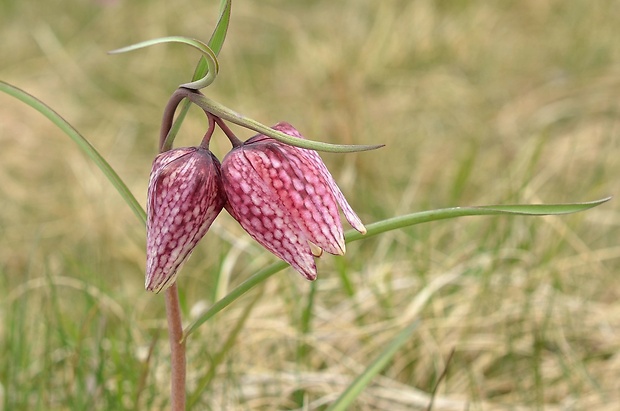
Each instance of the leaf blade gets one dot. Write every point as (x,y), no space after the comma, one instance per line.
(345,400)
(84,145)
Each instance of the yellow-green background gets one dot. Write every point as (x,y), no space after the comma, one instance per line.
(477,102)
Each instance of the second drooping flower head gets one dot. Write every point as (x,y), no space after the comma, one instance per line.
(286,199)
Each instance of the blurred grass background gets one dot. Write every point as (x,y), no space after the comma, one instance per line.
(477,102)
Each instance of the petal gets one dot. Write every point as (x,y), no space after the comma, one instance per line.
(301,191)
(313,160)
(184,197)
(260,212)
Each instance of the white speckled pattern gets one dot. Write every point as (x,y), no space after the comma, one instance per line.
(286,199)
(184,197)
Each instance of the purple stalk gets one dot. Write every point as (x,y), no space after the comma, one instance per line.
(177,349)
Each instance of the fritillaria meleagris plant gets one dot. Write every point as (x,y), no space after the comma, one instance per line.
(283,196)
(274,185)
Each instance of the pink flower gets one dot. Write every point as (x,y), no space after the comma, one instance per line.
(286,199)
(184,196)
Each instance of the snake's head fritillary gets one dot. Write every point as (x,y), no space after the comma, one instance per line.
(185,195)
(286,199)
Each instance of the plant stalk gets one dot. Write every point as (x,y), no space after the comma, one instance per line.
(177,349)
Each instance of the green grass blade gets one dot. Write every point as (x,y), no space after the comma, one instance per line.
(225,348)
(237,292)
(542,209)
(393,224)
(445,213)
(346,399)
(217,38)
(219,33)
(215,44)
(213,66)
(82,143)
(307,315)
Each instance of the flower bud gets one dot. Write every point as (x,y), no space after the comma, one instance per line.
(286,199)
(184,196)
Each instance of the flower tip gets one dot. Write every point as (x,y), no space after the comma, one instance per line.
(156,288)
(152,288)
(287,128)
(184,197)
(304,266)
(309,276)
(157,282)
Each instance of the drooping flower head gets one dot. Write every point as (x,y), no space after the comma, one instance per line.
(286,199)
(185,195)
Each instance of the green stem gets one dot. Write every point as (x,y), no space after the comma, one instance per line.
(225,113)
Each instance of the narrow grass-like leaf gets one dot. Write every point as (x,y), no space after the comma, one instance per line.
(393,224)
(226,346)
(237,292)
(346,399)
(445,213)
(221,28)
(82,143)
(211,59)
(305,324)
(225,113)
(215,44)
(217,38)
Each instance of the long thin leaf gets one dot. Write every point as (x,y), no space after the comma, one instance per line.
(225,113)
(361,381)
(215,43)
(219,33)
(445,213)
(82,143)
(241,289)
(225,348)
(208,54)
(393,224)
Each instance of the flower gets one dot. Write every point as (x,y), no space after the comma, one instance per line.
(286,199)
(185,195)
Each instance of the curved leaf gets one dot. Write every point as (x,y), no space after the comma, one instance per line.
(208,54)
(215,43)
(444,213)
(225,113)
(361,381)
(82,143)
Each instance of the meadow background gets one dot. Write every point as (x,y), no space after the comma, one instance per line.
(477,103)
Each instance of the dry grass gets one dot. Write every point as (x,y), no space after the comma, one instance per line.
(477,102)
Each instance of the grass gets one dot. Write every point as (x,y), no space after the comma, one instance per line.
(477,103)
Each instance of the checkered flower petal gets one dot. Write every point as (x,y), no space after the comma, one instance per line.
(286,199)
(185,195)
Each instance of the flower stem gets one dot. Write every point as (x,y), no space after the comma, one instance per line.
(231,136)
(207,138)
(165,143)
(177,350)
